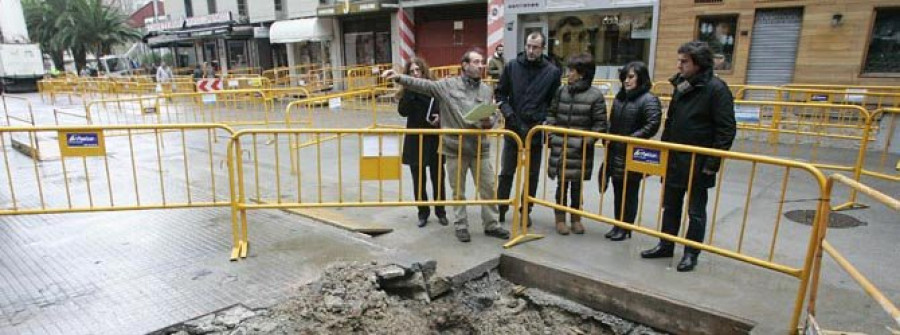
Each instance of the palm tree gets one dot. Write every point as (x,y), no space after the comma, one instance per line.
(80,26)
(95,27)
(41,22)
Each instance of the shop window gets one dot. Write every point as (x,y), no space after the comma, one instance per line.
(237,54)
(242,8)
(883,54)
(718,32)
(188,8)
(211,5)
(612,38)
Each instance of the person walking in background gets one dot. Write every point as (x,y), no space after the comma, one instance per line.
(422,112)
(701,114)
(458,95)
(496,63)
(580,106)
(198,72)
(164,78)
(525,90)
(636,112)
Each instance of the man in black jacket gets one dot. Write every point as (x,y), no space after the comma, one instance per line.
(701,114)
(526,87)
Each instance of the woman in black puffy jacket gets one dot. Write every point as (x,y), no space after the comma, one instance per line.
(579,106)
(421,112)
(636,112)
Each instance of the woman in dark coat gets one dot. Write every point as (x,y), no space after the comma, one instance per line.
(421,112)
(636,113)
(580,106)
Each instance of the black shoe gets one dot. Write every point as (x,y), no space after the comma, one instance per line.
(443,220)
(620,235)
(611,232)
(422,222)
(661,250)
(463,235)
(688,262)
(498,232)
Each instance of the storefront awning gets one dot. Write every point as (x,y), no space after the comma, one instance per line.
(311,29)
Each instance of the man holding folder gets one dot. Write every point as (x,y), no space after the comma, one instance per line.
(465,103)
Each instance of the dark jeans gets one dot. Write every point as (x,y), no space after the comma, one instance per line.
(509,160)
(572,188)
(631,198)
(432,171)
(673,202)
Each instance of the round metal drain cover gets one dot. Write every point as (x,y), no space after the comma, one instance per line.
(835,220)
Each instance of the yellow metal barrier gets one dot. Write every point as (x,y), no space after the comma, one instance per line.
(847,88)
(233,107)
(439,72)
(87,171)
(729,235)
(866,99)
(663,88)
(322,175)
(825,247)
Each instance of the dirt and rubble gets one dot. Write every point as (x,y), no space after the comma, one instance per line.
(372,298)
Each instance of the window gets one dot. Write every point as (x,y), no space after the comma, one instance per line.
(211,5)
(719,31)
(278,6)
(188,8)
(883,55)
(612,38)
(242,7)
(707,1)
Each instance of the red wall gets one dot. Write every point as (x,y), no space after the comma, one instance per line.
(136,20)
(435,34)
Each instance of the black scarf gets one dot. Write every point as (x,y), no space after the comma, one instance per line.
(579,86)
(624,95)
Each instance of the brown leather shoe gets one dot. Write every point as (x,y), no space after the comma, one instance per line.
(577,228)
(561,226)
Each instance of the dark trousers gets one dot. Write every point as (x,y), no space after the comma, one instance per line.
(630,197)
(572,188)
(432,171)
(673,202)
(509,160)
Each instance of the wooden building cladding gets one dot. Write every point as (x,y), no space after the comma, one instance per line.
(826,53)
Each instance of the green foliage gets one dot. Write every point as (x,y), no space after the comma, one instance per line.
(80,26)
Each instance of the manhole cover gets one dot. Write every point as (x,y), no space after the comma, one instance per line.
(835,220)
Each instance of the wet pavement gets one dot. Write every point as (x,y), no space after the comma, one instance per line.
(139,271)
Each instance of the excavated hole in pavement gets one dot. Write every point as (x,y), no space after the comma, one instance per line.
(835,220)
(358,298)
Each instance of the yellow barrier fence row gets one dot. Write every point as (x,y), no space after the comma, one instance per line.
(322,176)
(151,167)
(728,235)
(825,247)
(867,99)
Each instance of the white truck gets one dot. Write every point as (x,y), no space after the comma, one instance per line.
(21,62)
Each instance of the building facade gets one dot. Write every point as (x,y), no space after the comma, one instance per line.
(851,42)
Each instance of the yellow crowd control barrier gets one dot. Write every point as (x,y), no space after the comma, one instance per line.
(663,88)
(367,77)
(233,107)
(85,170)
(846,88)
(866,99)
(326,111)
(439,72)
(361,168)
(813,320)
(887,166)
(13,103)
(743,228)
